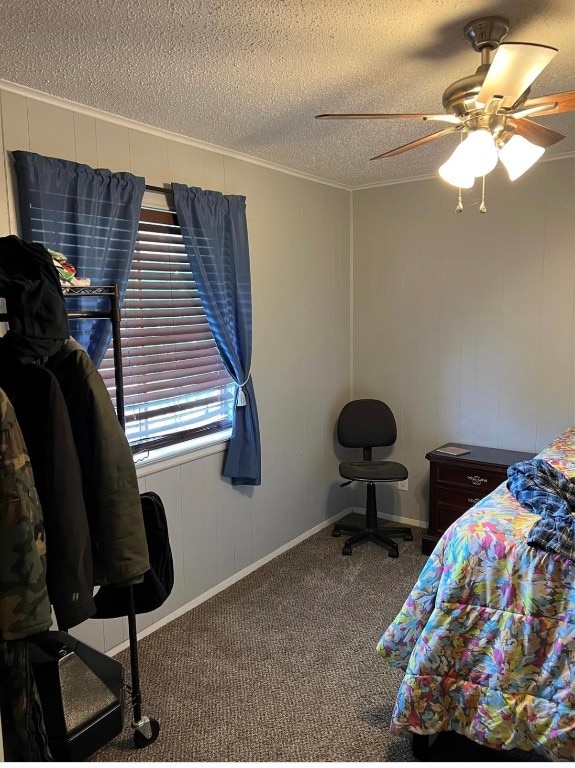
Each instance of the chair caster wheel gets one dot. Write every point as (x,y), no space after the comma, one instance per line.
(346,550)
(394,552)
(408,537)
(336,534)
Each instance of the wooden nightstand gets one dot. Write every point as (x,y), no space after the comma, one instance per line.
(456,483)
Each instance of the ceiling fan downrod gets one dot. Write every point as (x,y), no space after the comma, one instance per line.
(485,35)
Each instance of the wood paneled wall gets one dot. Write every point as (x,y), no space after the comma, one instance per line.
(299,233)
(465,323)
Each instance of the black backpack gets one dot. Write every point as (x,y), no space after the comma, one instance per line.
(112,601)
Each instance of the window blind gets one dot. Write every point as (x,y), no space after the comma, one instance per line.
(175,384)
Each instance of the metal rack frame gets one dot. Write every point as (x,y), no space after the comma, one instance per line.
(146,729)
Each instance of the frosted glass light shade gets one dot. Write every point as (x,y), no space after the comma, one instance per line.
(518,155)
(453,172)
(478,153)
(476,156)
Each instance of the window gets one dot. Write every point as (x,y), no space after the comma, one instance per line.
(175,385)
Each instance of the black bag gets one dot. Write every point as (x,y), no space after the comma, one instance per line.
(112,601)
(81,692)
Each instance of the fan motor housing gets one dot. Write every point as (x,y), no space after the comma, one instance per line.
(459,97)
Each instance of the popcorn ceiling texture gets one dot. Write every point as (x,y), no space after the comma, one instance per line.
(250,75)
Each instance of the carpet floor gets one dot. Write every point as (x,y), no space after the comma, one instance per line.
(281,666)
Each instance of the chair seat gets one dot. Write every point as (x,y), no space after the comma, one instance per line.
(373,471)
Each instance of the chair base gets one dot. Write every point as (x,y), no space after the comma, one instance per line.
(370,531)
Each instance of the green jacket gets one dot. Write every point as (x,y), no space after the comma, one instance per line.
(110,485)
(24,604)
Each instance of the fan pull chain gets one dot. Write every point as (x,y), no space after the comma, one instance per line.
(459,207)
(482,208)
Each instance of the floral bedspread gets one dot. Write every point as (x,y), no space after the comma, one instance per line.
(487,635)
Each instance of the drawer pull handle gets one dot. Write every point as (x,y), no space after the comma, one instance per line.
(473,501)
(476,480)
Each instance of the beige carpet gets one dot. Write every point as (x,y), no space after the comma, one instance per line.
(282,667)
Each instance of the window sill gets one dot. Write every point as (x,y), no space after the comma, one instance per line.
(174,455)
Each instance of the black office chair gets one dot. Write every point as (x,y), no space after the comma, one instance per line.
(369,424)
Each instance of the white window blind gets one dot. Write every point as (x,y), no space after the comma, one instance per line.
(175,385)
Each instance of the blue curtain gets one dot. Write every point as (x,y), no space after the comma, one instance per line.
(91,216)
(215,234)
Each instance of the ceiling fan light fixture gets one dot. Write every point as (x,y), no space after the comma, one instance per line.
(478,153)
(453,172)
(518,155)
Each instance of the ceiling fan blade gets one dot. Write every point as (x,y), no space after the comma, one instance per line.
(535,133)
(557,102)
(417,143)
(534,111)
(514,67)
(378,116)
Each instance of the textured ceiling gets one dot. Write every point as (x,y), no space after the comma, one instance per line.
(250,75)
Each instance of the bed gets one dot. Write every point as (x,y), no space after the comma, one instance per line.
(487,635)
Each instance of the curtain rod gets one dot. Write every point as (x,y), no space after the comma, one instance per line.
(163,190)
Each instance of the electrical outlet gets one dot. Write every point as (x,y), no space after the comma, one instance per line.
(402,485)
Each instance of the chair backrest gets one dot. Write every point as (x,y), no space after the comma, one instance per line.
(366,424)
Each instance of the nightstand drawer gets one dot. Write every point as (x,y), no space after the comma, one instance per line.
(449,505)
(469,478)
(463,500)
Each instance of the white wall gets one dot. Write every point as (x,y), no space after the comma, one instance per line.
(465,323)
(299,233)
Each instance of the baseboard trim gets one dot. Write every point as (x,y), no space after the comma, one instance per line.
(229,581)
(250,569)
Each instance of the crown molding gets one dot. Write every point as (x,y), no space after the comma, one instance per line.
(564,156)
(58,101)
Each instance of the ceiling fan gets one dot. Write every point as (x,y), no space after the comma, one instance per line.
(491,109)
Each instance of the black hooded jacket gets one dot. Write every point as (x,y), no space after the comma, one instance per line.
(34,300)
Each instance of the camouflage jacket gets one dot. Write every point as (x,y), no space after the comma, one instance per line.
(24,604)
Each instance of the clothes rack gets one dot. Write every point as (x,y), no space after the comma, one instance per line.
(146,729)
